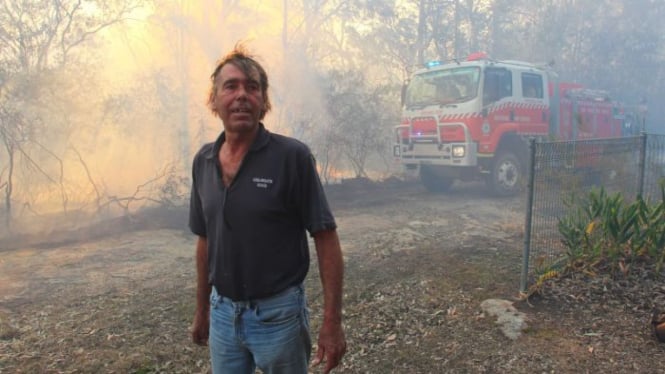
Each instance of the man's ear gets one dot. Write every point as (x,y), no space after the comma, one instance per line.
(264,111)
(214,107)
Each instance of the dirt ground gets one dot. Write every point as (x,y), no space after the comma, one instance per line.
(418,266)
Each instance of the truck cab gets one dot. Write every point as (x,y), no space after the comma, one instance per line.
(469,119)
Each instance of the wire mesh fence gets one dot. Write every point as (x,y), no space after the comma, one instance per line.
(561,171)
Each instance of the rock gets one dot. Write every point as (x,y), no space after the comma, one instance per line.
(511,321)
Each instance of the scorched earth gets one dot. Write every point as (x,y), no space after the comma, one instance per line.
(418,267)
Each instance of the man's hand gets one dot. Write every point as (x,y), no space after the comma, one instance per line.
(201,328)
(331,346)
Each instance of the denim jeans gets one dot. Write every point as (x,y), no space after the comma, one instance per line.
(271,334)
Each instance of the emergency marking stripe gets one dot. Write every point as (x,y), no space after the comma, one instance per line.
(474,115)
(422,119)
(494,109)
(516,105)
(459,116)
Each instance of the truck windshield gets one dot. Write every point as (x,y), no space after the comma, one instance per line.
(440,87)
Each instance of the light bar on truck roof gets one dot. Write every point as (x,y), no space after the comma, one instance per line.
(431,64)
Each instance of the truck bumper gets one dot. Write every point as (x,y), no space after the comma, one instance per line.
(430,150)
(449,154)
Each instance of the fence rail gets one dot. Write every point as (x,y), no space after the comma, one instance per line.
(559,171)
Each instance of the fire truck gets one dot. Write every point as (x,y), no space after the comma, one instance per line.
(471,119)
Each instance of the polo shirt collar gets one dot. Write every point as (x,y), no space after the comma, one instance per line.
(262,138)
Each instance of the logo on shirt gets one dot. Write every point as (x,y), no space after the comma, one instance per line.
(262,182)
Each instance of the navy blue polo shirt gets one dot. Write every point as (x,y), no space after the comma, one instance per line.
(256,228)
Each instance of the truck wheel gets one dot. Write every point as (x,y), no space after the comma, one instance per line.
(433,181)
(507,175)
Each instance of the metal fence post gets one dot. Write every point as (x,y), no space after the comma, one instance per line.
(527,218)
(642,164)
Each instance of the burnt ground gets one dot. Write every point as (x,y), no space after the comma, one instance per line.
(119,298)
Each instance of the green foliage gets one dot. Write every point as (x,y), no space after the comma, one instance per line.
(603,229)
(362,120)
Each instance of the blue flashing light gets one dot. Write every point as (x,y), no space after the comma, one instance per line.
(431,64)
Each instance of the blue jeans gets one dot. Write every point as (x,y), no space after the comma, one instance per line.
(271,334)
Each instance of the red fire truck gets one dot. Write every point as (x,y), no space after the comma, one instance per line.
(469,119)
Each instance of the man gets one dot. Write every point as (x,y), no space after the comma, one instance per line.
(255,195)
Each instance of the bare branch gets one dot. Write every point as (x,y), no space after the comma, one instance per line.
(87,173)
(63,193)
(34,163)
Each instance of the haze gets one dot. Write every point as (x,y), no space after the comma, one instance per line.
(102,117)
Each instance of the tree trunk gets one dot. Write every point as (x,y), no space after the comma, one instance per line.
(421,44)
(9,186)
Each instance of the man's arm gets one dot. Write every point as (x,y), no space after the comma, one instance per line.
(331,343)
(201,324)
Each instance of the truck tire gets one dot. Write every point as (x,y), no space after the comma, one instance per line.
(433,181)
(507,175)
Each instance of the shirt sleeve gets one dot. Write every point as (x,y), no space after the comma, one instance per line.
(196,218)
(314,209)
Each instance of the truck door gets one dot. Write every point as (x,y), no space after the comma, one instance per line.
(497,84)
(532,86)
(535,115)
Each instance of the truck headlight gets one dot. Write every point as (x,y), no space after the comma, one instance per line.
(458,151)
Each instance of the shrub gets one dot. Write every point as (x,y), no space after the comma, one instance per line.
(603,229)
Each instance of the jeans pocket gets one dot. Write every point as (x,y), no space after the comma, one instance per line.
(282,312)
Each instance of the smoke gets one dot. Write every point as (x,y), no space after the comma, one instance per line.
(118,129)
(130,118)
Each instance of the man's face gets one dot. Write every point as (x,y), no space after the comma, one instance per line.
(239,99)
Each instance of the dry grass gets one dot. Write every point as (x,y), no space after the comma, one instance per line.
(123,304)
